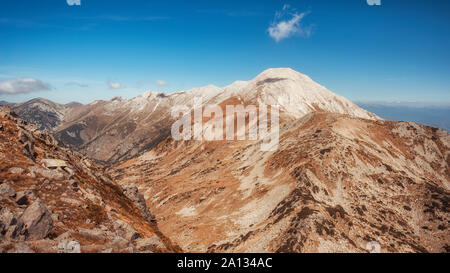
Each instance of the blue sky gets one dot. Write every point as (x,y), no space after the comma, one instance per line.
(398,51)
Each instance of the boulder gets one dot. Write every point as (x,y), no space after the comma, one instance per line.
(54,163)
(69,247)
(21,198)
(128,250)
(6,190)
(66,236)
(16,170)
(149,244)
(96,248)
(20,248)
(131,234)
(52,174)
(126,230)
(73,247)
(44,246)
(27,139)
(92,234)
(37,221)
(15,229)
(70,201)
(120,243)
(7,219)
(138,199)
(10,225)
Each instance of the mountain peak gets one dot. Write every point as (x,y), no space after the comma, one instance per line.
(282,72)
(296,94)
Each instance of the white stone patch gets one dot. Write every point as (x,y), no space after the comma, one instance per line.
(187,212)
(259,210)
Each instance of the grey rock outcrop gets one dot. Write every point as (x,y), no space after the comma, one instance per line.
(10,225)
(21,198)
(21,248)
(92,234)
(69,247)
(149,244)
(37,221)
(133,194)
(6,190)
(27,139)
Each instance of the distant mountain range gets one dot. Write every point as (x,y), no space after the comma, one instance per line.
(5,103)
(437,116)
(341,177)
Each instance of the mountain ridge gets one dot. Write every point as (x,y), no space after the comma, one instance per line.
(141,120)
(335,184)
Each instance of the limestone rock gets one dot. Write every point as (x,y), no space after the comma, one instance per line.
(7,219)
(21,248)
(37,221)
(21,198)
(69,247)
(16,170)
(132,192)
(54,163)
(120,243)
(92,234)
(53,174)
(6,190)
(149,244)
(27,139)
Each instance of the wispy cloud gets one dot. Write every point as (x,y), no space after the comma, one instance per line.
(83,23)
(40,23)
(73,2)
(230,13)
(83,85)
(22,86)
(287,23)
(161,83)
(115,85)
(118,18)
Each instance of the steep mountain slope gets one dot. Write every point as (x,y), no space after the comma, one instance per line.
(52,200)
(336,183)
(119,129)
(44,113)
(109,131)
(295,93)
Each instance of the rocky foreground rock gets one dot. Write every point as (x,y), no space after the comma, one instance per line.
(52,200)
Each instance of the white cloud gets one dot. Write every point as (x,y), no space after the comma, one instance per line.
(78,84)
(161,83)
(288,23)
(22,86)
(115,85)
(74,2)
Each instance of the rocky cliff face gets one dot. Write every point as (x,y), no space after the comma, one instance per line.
(53,200)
